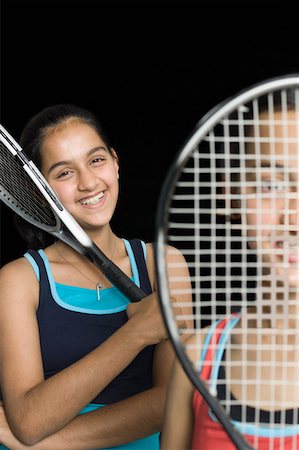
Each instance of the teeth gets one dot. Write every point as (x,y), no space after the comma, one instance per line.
(92,200)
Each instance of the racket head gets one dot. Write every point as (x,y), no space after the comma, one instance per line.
(20,187)
(203,212)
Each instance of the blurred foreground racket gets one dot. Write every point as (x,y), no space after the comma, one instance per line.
(230,205)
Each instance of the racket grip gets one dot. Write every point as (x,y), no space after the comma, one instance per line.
(122,282)
(115,275)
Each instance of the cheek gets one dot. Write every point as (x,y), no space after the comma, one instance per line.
(262,217)
(62,192)
(260,225)
(112,180)
(116,187)
(108,174)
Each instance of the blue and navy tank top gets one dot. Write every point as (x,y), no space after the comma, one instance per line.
(73,322)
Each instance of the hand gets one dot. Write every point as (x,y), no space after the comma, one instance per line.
(148,319)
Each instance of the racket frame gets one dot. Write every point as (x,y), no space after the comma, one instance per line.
(203,127)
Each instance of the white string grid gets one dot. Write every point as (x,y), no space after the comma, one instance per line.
(234,215)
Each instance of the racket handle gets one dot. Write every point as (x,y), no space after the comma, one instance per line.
(122,282)
(115,275)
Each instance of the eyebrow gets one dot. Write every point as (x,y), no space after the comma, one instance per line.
(268,164)
(67,162)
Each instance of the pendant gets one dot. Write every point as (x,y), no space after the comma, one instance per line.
(99,287)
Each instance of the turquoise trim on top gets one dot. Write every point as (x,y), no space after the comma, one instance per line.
(151,442)
(91,407)
(273,431)
(220,350)
(206,344)
(132,262)
(251,429)
(83,300)
(33,263)
(144,248)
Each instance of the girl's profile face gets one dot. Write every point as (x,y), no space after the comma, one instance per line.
(272,198)
(82,172)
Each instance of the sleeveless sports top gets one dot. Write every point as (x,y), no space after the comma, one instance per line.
(208,434)
(72,322)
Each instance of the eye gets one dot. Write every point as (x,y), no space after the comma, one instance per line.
(64,174)
(98,160)
(273,185)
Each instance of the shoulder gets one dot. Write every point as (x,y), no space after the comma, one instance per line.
(174,256)
(194,344)
(18,267)
(17,276)
(171,252)
(149,250)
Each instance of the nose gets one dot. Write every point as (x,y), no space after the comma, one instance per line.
(87,180)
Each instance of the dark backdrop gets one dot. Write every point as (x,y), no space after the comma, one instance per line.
(148,70)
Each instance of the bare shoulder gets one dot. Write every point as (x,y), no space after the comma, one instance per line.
(149,250)
(17,267)
(194,344)
(17,278)
(171,252)
(175,256)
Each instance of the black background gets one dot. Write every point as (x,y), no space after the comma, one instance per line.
(149,70)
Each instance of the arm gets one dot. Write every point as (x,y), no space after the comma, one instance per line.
(125,421)
(180,420)
(36,408)
(140,415)
(133,418)
(122,422)
(178,425)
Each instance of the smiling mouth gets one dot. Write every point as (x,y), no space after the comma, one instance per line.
(289,248)
(92,200)
(287,243)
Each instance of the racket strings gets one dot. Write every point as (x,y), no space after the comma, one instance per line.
(20,192)
(234,214)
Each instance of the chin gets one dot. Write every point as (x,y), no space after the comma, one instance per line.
(289,276)
(293,281)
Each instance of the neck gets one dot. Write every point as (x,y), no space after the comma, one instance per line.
(81,265)
(283,318)
(105,239)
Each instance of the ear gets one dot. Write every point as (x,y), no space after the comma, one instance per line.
(116,160)
(114,154)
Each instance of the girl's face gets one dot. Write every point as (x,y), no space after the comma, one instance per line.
(82,172)
(272,202)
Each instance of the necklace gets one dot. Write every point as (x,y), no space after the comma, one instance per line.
(99,286)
